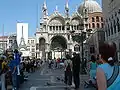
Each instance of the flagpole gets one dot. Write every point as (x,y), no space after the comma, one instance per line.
(3,37)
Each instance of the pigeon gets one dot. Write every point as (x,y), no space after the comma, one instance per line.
(48,84)
(62,80)
(58,78)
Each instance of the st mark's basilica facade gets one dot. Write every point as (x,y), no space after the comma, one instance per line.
(54,37)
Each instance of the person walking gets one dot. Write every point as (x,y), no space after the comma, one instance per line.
(13,68)
(17,57)
(108,74)
(92,67)
(76,69)
(68,70)
(3,73)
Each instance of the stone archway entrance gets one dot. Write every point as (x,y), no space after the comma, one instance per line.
(42,48)
(58,47)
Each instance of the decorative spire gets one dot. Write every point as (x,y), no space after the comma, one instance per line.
(37,23)
(67,8)
(56,9)
(76,8)
(22,31)
(44,9)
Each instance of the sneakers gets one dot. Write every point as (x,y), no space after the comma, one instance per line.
(14,88)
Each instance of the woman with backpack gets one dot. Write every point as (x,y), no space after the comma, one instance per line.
(108,74)
(68,70)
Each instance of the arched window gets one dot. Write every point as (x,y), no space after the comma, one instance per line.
(56,27)
(98,25)
(93,19)
(77,48)
(89,25)
(68,26)
(118,24)
(93,25)
(53,27)
(108,30)
(106,20)
(42,46)
(101,19)
(101,25)
(50,28)
(63,28)
(111,29)
(92,49)
(114,26)
(119,45)
(115,13)
(72,27)
(77,27)
(97,19)
(59,27)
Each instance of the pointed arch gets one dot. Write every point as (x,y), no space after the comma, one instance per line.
(58,17)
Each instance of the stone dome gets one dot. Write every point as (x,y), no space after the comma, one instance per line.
(91,5)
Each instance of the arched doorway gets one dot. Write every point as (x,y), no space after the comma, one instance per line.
(58,46)
(42,47)
(77,48)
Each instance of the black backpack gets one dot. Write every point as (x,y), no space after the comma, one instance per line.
(68,69)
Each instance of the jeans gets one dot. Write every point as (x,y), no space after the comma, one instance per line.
(3,82)
(14,81)
(18,81)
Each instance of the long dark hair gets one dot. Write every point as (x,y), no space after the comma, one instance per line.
(107,50)
(93,58)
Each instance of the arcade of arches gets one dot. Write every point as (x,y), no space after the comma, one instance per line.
(57,47)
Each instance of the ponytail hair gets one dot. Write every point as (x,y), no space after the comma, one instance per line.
(108,51)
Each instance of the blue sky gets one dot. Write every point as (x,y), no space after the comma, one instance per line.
(13,11)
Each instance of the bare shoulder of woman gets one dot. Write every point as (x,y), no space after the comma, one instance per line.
(101,79)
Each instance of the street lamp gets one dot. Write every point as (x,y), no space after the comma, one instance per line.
(80,38)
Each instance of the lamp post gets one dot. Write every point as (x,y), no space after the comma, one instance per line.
(79,38)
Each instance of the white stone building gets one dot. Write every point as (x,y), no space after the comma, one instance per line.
(31,47)
(111,11)
(12,42)
(54,39)
(3,43)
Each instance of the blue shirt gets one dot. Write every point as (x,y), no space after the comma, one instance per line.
(17,58)
(108,70)
(12,65)
(93,66)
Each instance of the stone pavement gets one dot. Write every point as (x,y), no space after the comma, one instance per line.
(48,79)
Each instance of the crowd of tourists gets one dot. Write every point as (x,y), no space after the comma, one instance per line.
(13,68)
(103,69)
(56,63)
